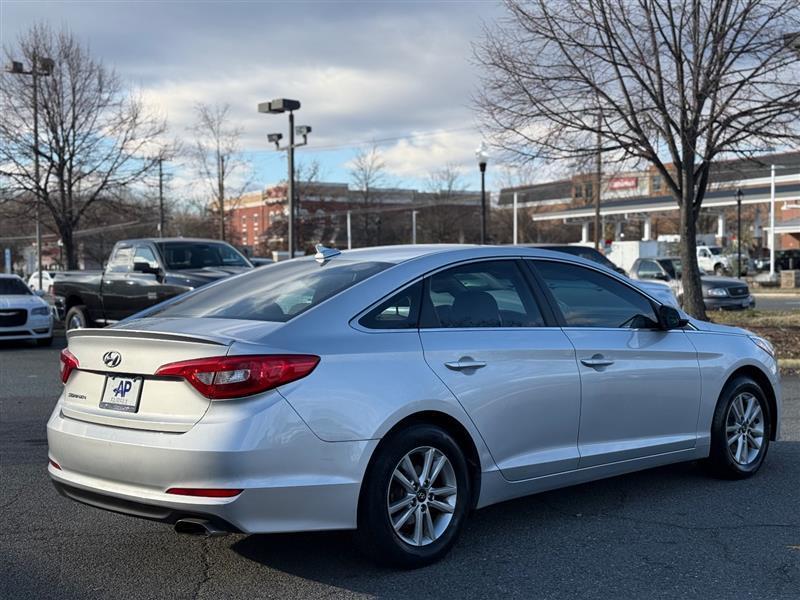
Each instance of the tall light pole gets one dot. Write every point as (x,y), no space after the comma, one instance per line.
(482,154)
(277,106)
(739,195)
(414,226)
(41,67)
(771,222)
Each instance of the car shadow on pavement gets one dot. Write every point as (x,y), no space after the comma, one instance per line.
(633,535)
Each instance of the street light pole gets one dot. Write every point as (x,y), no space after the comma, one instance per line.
(739,232)
(160,198)
(771,222)
(414,226)
(40,67)
(482,154)
(281,105)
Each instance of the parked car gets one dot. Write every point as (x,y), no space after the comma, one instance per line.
(718,292)
(48,279)
(660,291)
(784,260)
(393,390)
(141,273)
(23,314)
(713,260)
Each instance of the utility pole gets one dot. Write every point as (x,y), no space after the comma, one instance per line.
(221,193)
(414,226)
(598,183)
(160,198)
(290,186)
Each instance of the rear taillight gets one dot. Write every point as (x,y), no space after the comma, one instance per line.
(225,377)
(204,492)
(68,364)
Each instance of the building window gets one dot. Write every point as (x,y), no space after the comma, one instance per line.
(657,183)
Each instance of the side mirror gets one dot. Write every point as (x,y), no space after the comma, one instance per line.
(670,318)
(143,267)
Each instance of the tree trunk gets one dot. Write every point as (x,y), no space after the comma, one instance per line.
(692,288)
(70,251)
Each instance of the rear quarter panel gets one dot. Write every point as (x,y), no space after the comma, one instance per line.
(81,287)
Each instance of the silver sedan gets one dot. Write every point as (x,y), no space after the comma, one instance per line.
(393,390)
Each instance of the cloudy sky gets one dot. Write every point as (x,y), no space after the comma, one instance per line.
(395,72)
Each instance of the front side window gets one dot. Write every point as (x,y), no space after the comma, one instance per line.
(480,294)
(587,298)
(274,292)
(145,255)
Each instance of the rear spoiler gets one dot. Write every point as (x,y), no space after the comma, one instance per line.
(148,335)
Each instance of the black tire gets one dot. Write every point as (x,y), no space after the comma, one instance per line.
(45,342)
(76,318)
(376,535)
(719,270)
(721,462)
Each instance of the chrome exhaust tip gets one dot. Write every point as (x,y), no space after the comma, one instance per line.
(191,526)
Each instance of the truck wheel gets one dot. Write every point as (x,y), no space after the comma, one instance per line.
(719,270)
(76,318)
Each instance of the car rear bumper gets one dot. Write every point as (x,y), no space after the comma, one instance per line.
(730,303)
(291,480)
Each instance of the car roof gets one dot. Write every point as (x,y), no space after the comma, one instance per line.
(10,276)
(172,239)
(443,252)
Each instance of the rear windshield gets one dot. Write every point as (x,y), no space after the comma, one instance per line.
(10,286)
(272,293)
(199,255)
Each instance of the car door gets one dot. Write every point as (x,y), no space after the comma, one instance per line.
(144,288)
(640,384)
(513,370)
(114,283)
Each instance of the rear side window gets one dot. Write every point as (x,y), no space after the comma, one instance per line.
(587,298)
(480,294)
(272,293)
(121,260)
(401,311)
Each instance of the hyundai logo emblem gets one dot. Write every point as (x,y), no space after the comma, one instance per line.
(112,359)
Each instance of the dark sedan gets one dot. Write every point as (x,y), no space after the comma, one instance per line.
(718,292)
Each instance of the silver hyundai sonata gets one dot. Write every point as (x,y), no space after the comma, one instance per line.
(393,390)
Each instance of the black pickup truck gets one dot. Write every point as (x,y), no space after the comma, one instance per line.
(141,273)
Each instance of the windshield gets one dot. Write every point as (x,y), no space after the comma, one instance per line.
(11,286)
(271,293)
(199,255)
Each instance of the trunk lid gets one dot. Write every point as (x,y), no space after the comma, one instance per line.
(164,404)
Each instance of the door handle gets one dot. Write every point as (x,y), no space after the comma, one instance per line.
(597,361)
(465,363)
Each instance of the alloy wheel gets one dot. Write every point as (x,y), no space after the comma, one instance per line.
(422,495)
(744,429)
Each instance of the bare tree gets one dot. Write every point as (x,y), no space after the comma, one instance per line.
(675,84)
(93,134)
(218,158)
(368,174)
(444,219)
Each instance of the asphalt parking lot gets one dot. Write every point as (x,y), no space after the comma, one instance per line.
(666,533)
